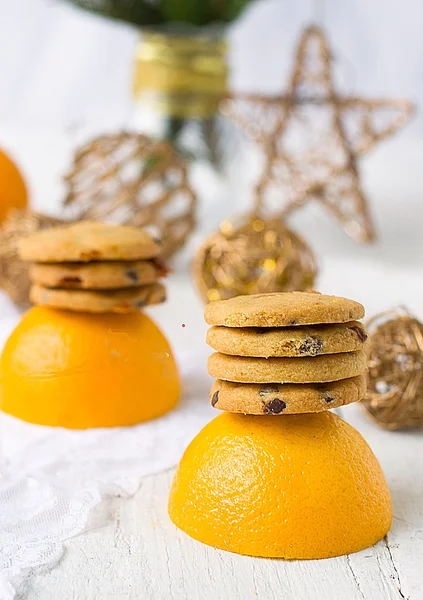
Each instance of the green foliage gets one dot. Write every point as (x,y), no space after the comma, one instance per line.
(144,13)
(136,12)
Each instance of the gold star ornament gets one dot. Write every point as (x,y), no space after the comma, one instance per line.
(312,137)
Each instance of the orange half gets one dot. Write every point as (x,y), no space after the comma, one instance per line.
(13,192)
(289,486)
(80,370)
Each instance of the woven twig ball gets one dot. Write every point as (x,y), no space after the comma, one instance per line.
(394,398)
(14,278)
(132,179)
(254,257)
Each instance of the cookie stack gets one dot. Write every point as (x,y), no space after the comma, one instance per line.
(94,267)
(286,353)
(285,485)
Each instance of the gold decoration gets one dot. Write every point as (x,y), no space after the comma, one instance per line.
(14,279)
(312,137)
(123,178)
(254,257)
(181,76)
(394,398)
(132,179)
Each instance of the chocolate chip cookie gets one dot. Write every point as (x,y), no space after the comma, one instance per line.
(288,398)
(317,369)
(88,241)
(282,310)
(97,275)
(119,301)
(288,341)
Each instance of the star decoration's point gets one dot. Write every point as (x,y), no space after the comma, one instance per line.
(312,137)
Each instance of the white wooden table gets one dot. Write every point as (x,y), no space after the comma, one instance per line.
(132,551)
(135,552)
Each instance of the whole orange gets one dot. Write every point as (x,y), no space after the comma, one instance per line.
(13,192)
(80,370)
(289,486)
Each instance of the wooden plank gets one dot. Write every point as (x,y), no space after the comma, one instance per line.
(399,558)
(135,552)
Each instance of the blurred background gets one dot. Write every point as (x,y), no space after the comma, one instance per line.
(62,68)
(66,74)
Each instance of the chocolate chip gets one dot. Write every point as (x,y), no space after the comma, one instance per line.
(70,281)
(215,398)
(269,390)
(361,334)
(133,275)
(328,398)
(292,322)
(311,346)
(275,406)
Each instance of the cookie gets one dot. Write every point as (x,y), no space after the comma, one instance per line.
(288,341)
(282,310)
(316,369)
(119,301)
(86,241)
(286,398)
(97,275)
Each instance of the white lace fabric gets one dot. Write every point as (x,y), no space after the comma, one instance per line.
(36,518)
(51,478)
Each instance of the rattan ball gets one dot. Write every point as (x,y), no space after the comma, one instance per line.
(132,179)
(256,256)
(394,398)
(14,279)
